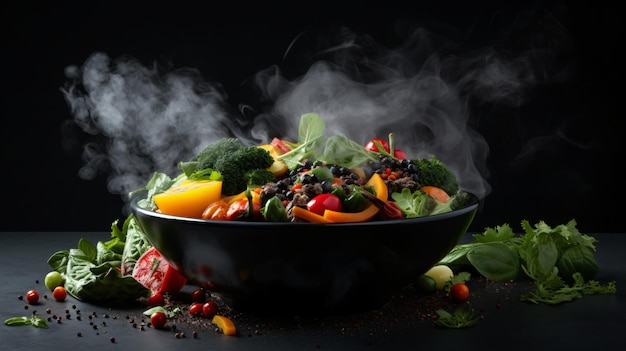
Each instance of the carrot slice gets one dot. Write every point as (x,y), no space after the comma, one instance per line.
(436,192)
(225,324)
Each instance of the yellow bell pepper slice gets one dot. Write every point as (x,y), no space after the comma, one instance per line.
(279,167)
(190,198)
(225,324)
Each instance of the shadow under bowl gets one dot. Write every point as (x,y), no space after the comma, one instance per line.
(304,268)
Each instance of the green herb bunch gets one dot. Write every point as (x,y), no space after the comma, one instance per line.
(560,260)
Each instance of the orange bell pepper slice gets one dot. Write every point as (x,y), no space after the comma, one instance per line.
(436,192)
(307,215)
(225,324)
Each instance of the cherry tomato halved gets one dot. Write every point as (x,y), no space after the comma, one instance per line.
(324,202)
(372,145)
(237,209)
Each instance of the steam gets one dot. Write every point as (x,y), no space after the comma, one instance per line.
(421,91)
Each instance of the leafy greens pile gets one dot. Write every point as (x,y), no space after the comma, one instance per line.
(560,260)
(102,272)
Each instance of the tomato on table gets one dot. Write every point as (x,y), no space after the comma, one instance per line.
(158,320)
(154,272)
(32,296)
(459,292)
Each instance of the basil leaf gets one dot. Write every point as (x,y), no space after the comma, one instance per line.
(310,140)
(495,261)
(342,151)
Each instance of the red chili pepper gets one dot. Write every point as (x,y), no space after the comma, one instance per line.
(390,211)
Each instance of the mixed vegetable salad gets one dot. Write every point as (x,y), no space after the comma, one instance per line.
(316,179)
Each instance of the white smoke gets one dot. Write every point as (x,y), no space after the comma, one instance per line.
(151,119)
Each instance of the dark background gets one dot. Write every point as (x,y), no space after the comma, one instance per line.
(554,158)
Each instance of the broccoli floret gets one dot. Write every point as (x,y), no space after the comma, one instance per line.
(435,173)
(206,158)
(259,177)
(455,202)
(236,166)
(213,152)
(234,161)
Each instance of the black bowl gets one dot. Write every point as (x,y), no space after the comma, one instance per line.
(304,268)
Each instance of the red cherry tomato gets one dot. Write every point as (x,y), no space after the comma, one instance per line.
(237,209)
(198,295)
(399,154)
(195,309)
(209,309)
(32,296)
(459,292)
(59,293)
(373,146)
(156,300)
(324,202)
(158,319)
(154,272)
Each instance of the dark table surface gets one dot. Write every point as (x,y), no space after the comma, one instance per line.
(593,322)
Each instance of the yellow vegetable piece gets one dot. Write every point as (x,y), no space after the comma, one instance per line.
(279,167)
(225,324)
(378,183)
(189,199)
(232,198)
